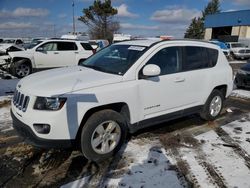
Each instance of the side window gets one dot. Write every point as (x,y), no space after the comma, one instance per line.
(66,46)
(212,56)
(168,59)
(50,46)
(86,46)
(195,58)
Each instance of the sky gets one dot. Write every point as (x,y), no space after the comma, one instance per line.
(53,18)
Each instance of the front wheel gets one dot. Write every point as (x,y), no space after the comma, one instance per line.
(213,106)
(102,135)
(21,69)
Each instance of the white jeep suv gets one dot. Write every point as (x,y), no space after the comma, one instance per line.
(124,87)
(49,54)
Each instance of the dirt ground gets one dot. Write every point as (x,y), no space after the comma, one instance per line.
(21,165)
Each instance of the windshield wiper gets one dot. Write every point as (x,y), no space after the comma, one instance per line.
(92,67)
(99,69)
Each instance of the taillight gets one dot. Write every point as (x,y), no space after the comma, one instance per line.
(94,51)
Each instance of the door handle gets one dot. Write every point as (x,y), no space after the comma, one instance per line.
(179,80)
(56,52)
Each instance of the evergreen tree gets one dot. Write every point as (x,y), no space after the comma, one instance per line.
(196,29)
(99,19)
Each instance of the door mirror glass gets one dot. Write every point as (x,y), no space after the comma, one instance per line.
(151,70)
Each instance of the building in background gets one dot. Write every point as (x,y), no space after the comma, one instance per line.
(228,26)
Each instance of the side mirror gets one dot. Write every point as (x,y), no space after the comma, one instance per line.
(151,70)
(40,49)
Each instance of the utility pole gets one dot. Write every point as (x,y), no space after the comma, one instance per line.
(74,26)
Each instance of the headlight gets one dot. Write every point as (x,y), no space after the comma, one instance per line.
(49,103)
(240,71)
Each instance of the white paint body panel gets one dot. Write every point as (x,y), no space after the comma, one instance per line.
(86,88)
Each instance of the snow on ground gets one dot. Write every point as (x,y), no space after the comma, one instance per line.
(222,159)
(5,119)
(148,167)
(240,93)
(240,132)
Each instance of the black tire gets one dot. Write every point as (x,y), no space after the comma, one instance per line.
(206,112)
(21,68)
(89,131)
(232,56)
(240,87)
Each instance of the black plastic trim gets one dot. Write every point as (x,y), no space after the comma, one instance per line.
(164,118)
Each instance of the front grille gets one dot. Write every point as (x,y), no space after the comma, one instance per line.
(21,101)
(244,51)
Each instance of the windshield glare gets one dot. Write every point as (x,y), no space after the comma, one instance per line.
(115,59)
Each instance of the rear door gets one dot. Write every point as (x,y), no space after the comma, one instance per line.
(197,72)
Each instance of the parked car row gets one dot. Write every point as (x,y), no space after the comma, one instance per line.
(234,50)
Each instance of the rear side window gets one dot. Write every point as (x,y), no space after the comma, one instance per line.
(193,58)
(198,58)
(86,46)
(212,56)
(66,46)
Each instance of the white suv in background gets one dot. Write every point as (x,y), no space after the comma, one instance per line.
(49,54)
(238,50)
(123,88)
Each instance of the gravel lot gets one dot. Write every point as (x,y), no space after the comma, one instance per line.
(187,152)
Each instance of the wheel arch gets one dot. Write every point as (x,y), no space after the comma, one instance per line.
(27,60)
(120,107)
(222,89)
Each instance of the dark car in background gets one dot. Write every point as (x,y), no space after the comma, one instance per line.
(242,79)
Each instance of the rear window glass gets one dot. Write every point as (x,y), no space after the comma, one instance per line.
(86,46)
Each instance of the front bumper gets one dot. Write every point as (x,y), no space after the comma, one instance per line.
(242,80)
(30,137)
(242,55)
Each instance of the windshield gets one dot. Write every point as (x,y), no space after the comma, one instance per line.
(238,45)
(32,44)
(115,59)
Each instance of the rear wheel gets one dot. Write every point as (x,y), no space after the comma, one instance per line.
(102,135)
(213,106)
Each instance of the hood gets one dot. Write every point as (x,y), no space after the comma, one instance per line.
(65,80)
(24,53)
(3,47)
